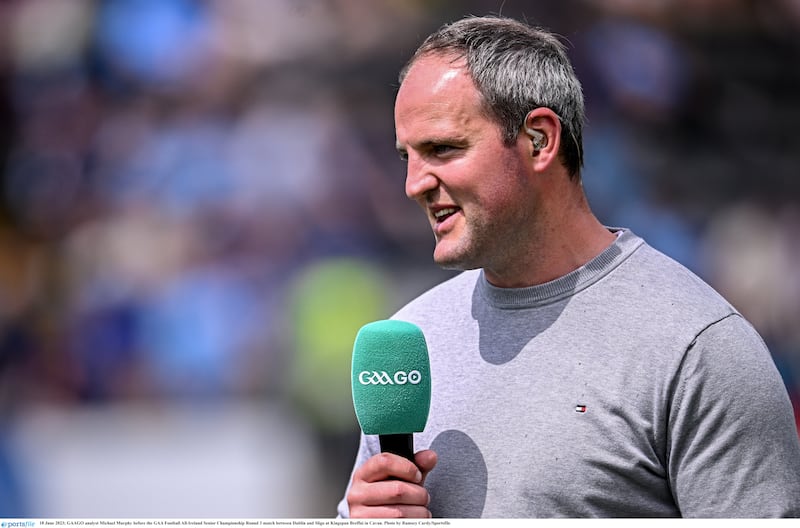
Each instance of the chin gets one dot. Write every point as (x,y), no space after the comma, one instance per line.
(452,261)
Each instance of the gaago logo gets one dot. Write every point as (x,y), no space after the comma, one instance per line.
(383,378)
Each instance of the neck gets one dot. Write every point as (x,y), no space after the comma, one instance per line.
(564,238)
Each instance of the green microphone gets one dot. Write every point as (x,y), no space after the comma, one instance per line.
(391,379)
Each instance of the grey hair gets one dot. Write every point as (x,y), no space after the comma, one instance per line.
(517,68)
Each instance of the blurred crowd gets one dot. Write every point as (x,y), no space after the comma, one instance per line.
(200,201)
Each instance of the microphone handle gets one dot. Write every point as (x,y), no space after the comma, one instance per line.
(399,444)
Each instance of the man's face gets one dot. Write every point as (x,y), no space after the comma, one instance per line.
(476,190)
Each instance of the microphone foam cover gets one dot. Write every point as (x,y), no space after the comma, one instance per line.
(391,378)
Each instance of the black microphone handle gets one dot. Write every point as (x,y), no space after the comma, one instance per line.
(400,444)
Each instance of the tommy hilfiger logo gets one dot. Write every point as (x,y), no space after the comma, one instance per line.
(580,408)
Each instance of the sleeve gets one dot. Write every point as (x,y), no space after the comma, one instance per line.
(733,448)
(367,447)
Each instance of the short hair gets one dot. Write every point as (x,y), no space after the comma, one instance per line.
(516,68)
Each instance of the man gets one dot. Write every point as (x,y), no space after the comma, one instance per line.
(576,371)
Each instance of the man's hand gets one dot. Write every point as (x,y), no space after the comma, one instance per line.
(389,486)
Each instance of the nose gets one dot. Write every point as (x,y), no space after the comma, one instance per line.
(419,179)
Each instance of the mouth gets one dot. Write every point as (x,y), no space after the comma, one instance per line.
(444,218)
(441,214)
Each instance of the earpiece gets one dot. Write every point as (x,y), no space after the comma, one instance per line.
(538,138)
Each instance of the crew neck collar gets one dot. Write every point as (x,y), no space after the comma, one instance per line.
(567,285)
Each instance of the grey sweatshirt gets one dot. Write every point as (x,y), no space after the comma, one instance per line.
(627,388)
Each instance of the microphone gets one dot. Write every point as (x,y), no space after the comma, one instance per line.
(391,383)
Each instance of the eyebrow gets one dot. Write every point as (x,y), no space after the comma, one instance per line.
(440,140)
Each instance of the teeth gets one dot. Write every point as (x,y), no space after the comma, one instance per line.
(444,212)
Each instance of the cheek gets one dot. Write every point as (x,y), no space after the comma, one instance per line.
(494,179)
(508,184)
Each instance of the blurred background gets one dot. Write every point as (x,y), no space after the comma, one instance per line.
(201,203)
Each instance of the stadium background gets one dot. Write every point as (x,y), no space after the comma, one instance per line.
(200,204)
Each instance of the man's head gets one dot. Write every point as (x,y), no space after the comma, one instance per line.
(516,68)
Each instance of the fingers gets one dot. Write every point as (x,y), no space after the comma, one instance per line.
(397,511)
(389,486)
(385,466)
(388,498)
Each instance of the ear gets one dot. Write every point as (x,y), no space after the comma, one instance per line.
(543,128)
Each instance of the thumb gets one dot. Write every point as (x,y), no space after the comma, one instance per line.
(425,461)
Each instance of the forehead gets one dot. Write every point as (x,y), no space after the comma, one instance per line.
(436,70)
(437,88)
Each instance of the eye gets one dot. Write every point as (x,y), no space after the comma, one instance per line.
(442,150)
(403,155)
